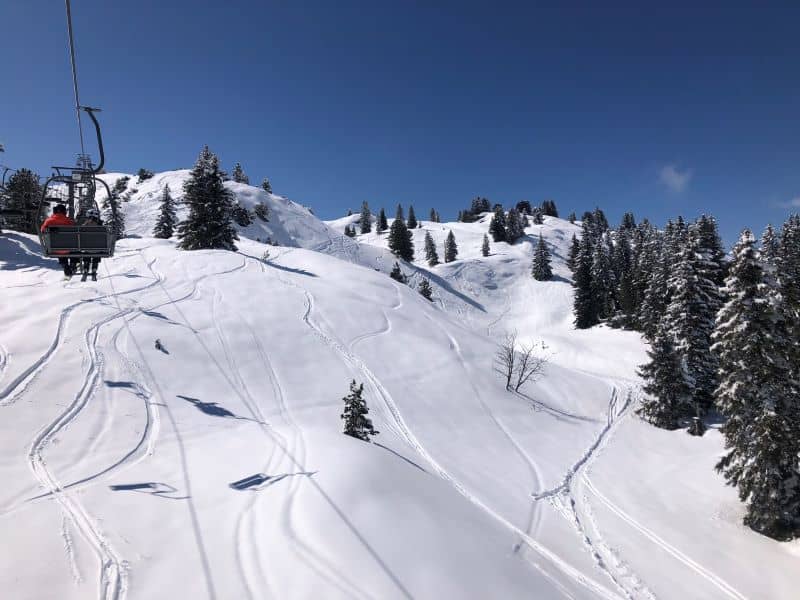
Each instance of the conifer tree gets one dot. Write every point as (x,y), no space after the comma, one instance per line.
(144,175)
(770,245)
(585,308)
(210,208)
(400,240)
(759,396)
(430,250)
(266,185)
(572,218)
(665,385)
(628,222)
(261,210)
(625,293)
(356,422)
(541,269)
(238,174)
(22,193)
(350,231)
(167,219)
(602,279)
(485,245)
(112,209)
(433,216)
(397,274)
(572,256)
(426,290)
(450,248)
(383,225)
(399,213)
(412,218)
(549,208)
(515,228)
(365,220)
(497,226)
(241,216)
(537,216)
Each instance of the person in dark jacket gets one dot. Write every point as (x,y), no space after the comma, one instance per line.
(59,218)
(91,219)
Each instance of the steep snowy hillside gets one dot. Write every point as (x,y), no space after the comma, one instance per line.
(212,465)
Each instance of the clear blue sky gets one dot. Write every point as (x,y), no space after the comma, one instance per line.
(659,108)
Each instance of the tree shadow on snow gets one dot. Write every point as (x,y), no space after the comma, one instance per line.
(154,488)
(18,252)
(398,455)
(290,269)
(259,481)
(215,410)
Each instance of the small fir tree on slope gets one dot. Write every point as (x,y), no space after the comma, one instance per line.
(238,175)
(382,224)
(365,219)
(167,218)
(515,228)
(412,218)
(356,422)
(485,245)
(759,396)
(210,208)
(668,394)
(585,308)
(541,269)
(430,250)
(450,248)
(497,226)
(400,240)
(266,185)
(426,290)
(112,209)
(397,274)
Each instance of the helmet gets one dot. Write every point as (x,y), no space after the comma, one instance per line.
(93,213)
(60,209)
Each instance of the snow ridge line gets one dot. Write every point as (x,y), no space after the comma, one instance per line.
(13,390)
(113,577)
(444,474)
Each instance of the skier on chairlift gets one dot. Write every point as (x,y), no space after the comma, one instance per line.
(90,219)
(59,218)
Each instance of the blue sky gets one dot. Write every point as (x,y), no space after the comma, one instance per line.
(656,108)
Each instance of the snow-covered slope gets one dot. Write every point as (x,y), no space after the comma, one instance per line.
(118,458)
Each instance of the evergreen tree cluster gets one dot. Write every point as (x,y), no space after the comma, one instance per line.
(401,241)
(143,175)
(111,207)
(507,227)
(356,422)
(22,195)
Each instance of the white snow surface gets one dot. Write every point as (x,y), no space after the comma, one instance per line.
(117,458)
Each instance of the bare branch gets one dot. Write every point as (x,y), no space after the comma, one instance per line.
(529,367)
(506,357)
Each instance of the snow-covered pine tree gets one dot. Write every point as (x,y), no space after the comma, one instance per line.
(549,208)
(430,250)
(770,245)
(167,218)
(112,209)
(572,218)
(628,222)
(238,174)
(426,290)
(433,216)
(350,231)
(241,215)
(655,275)
(397,274)
(759,396)
(266,185)
(356,422)
(599,223)
(497,226)
(261,210)
(400,240)
(541,269)
(209,223)
(382,225)
(668,395)
(572,255)
(625,293)
(602,279)
(412,218)
(365,220)
(485,245)
(398,215)
(22,193)
(585,307)
(450,247)
(537,216)
(515,228)
(143,175)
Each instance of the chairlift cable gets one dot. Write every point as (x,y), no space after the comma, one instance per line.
(74,74)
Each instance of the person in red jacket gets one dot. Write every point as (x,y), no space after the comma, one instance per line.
(59,218)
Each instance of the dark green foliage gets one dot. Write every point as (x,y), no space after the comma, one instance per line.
(261,211)
(400,240)
(524,207)
(167,218)
(23,193)
(350,230)
(210,205)
(112,209)
(537,217)
(450,248)
(412,218)
(356,422)
(382,225)
(365,220)
(398,215)
(479,205)
(144,175)
(238,175)
(585,308)
(549,208)
(485,245)
(515,228)
(572,218)
(628,222)
(572,257)
(241,215)
(759,395)
(397,274)
(430,250)
(434,216)
(266,185)
(541,269)
(497,226)
(602,279)
(664,384)
(426,290)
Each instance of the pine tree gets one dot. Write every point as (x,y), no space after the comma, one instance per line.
(426,290)
(22,193)
(400,240)
(549,208)
(540,268)
(356,422)
(770,247)
(515,228)
(654,274)
(628,222)
(350,231)
(412,218)
(261,210)
(625,293)
(238,174)
(399,213)
(210,208)
(485,245)
(383,225)
(450,248)
(167,219)
(497,226)
(266,185)
(585,308)
(112,209)
(572,218)
(524,207)
(365,220)
(668,394)
(572,257)
(537,216)
(397,274)
(602,279)
(433,216)
(430,250)
(241,216)
(144,175)
(759,396)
